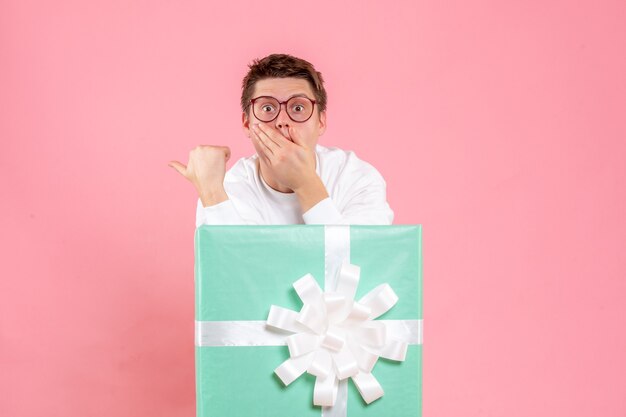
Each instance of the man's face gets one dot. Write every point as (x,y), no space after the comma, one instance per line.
(283,89)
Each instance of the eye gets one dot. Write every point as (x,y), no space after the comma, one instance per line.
(298,108)
(267,108)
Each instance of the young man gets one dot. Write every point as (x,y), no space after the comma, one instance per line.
(291,179)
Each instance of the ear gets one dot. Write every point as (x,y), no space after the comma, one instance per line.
(322,122)
(245,123)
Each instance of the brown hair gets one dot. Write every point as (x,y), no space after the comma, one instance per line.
(282,66)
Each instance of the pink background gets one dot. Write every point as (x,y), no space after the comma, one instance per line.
(499,126)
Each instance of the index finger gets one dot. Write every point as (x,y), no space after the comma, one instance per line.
(226,150)
(274,135)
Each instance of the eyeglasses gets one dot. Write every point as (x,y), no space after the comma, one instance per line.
(267,109)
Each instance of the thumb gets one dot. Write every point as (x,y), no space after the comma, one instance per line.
(182,169)
(226,150)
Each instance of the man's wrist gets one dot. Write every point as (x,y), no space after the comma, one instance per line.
(310,193)
(212,196)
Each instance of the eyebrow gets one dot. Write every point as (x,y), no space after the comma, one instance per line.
(298,95)
(290,97)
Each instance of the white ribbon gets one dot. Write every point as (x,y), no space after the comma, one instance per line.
(332,337)
(256,333)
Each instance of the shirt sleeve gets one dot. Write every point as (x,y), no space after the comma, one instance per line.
(324,212)
(223,213)
(367,204)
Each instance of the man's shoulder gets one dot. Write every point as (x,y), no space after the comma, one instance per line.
(345,162)
(334,157)
(244,169)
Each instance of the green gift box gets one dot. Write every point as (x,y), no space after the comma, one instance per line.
(241,271)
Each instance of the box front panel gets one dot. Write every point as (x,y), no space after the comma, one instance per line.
(242,270)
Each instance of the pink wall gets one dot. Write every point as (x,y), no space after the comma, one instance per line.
(500,126)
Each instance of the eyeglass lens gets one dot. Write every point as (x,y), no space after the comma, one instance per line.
(298,108)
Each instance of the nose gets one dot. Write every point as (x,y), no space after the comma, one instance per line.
(283,121)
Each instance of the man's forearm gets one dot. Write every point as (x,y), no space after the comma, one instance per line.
(311,193)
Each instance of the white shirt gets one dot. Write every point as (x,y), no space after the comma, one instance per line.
(357,195)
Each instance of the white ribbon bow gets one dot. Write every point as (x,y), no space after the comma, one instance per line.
(334,337)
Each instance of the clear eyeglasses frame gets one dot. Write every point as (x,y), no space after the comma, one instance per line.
(302,116)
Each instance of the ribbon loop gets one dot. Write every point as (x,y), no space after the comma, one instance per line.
(325,391)
(380,300)
(284,319)
(358,313)
(292,368)
(313,317)
(368,386)
(301,343)
(333,340)
(345,363)
(308,289)
(365,358)
(321,364)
